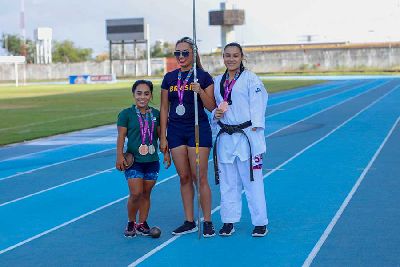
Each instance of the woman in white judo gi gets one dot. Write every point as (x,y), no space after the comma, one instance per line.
(240,120)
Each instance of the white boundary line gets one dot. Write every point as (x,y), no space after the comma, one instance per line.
(54,187)
(61,162)
(322,98)
(47,138)
(158,248)
(339,213)
(328,108)
(92,141)
(339,86)
(74,220)
(288,126)
(54,164)
(51,121)
(334,87)
(213,211)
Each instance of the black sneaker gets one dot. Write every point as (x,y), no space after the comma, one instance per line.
(186,228)
(208,229)
(143,229)
(227,229)
(260,231)
(130,230)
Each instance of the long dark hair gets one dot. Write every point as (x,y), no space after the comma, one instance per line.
(189,41)
(242,68)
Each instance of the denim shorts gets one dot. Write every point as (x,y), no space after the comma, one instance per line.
(144,170)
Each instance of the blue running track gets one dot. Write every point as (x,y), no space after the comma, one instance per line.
(332,174)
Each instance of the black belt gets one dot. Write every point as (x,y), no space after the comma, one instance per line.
(231,129)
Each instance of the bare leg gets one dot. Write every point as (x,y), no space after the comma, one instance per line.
(135,193)
(205,192)
(181,161)
(144,205)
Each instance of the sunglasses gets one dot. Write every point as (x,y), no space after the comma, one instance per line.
(178,53)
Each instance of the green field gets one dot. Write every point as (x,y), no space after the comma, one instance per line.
(30,112)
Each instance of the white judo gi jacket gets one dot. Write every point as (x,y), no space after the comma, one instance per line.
(249,102)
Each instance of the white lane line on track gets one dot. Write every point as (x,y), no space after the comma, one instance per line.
(347,200)
(75,219)
(214,210)
(334,88)
(91,141)
(58,163)
(144,257)
(314,114)
(42,191)
(326,109)
(53,164)
(51,121)
(57,186)
(52,149)
(317,100)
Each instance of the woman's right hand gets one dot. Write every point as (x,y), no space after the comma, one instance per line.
(163,145)
(120,162)
(219,113)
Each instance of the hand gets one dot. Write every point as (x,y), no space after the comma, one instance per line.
(167,160)
(219,113)
(163,145)
(196,88)
(120,162)
(254,129)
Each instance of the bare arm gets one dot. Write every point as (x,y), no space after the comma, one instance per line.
(206,95)
(164,108)
(120,160)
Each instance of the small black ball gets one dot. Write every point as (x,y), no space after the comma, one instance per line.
(155,232)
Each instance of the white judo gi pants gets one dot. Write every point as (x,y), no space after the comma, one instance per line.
(233,178)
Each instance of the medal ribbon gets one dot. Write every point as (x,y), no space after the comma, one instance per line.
(150,132)
(229,85)
(144,127)
(181,90)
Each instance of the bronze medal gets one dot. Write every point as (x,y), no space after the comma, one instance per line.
(223,106)
(143,149)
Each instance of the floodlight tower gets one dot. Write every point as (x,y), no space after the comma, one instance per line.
(22,27)
(226,17)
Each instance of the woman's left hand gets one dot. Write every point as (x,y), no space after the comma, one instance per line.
(196,88)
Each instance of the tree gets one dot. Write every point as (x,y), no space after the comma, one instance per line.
(66,52)
(162,49)
(13,44)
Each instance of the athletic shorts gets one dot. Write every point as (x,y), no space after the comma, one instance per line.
(178,135)
(144,170)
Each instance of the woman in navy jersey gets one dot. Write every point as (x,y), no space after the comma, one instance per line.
(177,119)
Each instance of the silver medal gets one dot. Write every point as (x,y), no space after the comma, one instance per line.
(180,110)
(152,149)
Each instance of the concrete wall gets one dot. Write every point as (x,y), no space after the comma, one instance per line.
(62,71)
(316,60)
(385,58)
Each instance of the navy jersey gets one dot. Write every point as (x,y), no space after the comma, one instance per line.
(170,83)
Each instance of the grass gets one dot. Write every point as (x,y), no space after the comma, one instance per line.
(37,111)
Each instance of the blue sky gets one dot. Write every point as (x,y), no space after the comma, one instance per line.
(267,22)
